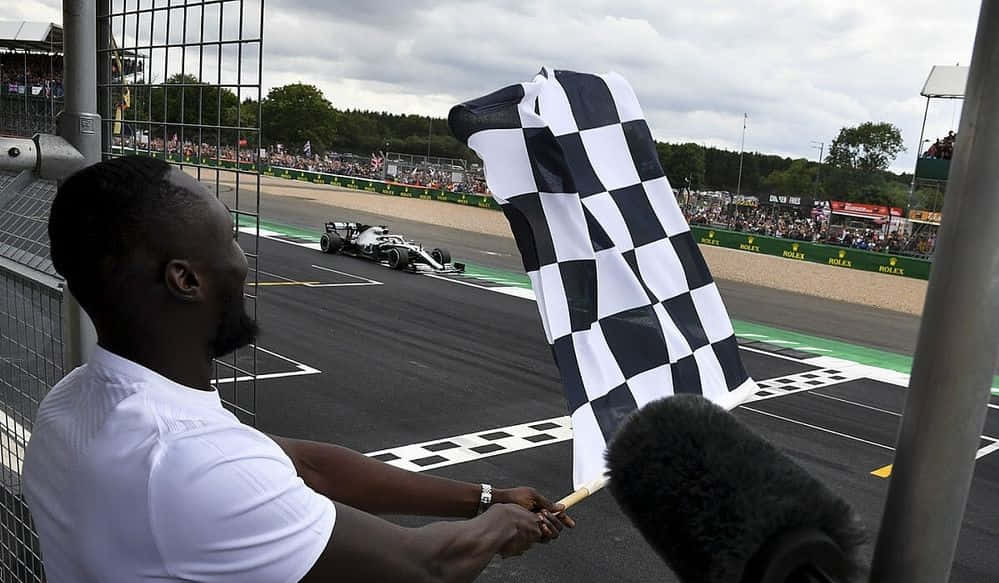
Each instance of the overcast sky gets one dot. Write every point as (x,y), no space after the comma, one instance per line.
(801,70)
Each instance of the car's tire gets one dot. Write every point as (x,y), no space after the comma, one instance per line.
(398,258)
(331,243)
(441,256)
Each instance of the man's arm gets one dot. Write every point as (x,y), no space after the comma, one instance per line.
(366,548)
(367,484)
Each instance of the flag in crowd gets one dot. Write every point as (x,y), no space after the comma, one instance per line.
(377,161)
(626,299)
(307,148)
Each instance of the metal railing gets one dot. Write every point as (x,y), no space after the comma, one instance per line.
(201,80)
(31,361)
(199,93)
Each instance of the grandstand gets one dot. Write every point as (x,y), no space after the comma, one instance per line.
(933,162)
(31,90)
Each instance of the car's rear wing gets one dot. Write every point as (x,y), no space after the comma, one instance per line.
(341,226)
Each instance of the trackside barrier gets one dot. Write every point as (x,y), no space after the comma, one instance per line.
(848,258)
(31,361)
(351,182)
(390,188)
(814,252)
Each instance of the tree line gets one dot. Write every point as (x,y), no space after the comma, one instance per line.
(855,168)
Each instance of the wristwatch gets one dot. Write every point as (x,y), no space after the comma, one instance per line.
(485,498)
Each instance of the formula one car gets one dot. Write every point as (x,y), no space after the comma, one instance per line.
(376,243)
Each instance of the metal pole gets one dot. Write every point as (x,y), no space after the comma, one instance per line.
(430,132)
(104,70)
(27,89)
(742,145)
(80,125)
(957,349)
(919,152)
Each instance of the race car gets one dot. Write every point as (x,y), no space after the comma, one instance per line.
(376,243)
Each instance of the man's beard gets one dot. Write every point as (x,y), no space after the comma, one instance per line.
(236,328)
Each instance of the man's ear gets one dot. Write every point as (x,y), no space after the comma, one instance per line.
(182,282)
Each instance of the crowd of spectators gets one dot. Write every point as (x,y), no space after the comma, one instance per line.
(431,177)
(943,148)
(38,75)
(815,229)
(330,163)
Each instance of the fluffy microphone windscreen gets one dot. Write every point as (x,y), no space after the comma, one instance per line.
(707,493)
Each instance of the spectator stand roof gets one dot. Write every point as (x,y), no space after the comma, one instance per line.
(945,82)
(34,37)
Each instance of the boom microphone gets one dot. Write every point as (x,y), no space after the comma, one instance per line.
(722,505)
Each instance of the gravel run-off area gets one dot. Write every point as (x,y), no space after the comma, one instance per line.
(889,292)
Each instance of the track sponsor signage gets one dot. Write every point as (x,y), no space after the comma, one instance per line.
(925,216)
(380,187)
(815,253)
(869,211)
(354,183)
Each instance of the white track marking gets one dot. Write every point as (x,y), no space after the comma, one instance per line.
(517,292)
(817,428)
(994,447)
(448,451)
(367,281)
(773,354)
(302,369)
(855,404)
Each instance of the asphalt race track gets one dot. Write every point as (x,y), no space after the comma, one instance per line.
(396,363)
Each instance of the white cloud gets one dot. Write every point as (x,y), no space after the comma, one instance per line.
(802,70)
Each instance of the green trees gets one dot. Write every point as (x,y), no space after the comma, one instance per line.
(296,113)
(869,147)
(858,164)
(797,179)
(856,168)
(683,163)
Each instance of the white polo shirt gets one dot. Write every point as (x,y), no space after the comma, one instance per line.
(132,477)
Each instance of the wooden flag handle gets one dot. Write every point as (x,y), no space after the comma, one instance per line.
(583,491)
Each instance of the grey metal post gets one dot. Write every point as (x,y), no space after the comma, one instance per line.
(80,125)
(919,151)
(104,69)
(958,344)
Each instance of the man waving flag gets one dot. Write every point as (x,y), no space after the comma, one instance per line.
(626,299)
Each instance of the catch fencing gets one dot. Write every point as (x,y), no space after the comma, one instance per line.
(200,65)
(31,354)
(197,101)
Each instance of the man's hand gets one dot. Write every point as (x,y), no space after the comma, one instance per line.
(553,515)
(519,528)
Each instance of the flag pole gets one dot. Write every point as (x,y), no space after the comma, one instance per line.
(583,492)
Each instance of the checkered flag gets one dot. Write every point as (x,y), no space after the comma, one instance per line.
(626,299)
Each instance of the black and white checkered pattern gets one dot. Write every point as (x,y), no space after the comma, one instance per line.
(625,296)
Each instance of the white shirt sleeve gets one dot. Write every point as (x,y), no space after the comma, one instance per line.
(226,505)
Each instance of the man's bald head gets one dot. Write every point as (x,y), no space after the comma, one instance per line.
(114,224)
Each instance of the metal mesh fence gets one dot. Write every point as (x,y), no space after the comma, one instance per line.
(30,363)
(26,117)
(197,104)
(24,213)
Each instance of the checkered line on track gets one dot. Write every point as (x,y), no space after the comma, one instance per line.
(472,446)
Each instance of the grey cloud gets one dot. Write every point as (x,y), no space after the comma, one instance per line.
(800,69)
